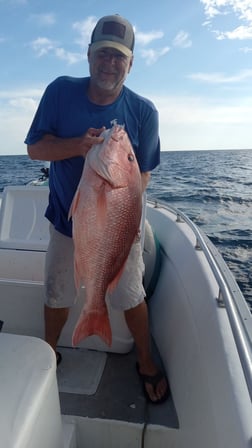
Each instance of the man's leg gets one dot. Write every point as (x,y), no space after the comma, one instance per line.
(129,296)
(138,323)
(59,285)
(55,319)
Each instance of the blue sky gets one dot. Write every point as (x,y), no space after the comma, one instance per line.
(193,58)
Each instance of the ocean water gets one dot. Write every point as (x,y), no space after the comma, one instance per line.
(214,188)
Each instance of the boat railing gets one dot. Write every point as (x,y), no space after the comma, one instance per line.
(229,295)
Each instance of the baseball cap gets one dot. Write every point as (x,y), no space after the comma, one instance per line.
(113,31)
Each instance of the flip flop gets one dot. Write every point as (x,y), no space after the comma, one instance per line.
(154,381)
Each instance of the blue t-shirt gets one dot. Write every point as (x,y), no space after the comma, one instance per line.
(65,111)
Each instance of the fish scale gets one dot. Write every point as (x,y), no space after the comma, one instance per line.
(106,214)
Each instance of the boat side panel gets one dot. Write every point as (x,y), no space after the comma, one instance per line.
(196,344)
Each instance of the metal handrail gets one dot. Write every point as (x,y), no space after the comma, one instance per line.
(241,325)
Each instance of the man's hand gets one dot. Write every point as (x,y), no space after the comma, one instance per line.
(90,138)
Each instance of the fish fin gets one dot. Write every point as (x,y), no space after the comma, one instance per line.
(116,279)
(74,203)
(93,323)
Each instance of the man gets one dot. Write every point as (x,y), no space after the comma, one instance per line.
(70,118)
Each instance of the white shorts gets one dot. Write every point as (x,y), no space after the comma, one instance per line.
(60,291)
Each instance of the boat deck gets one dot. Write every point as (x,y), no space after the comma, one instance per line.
(119,396)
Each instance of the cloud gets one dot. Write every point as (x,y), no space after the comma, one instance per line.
(186,122)
(18,94)
(25,104)
(191,122)
(20,101)
(43,19)
(151,56)
(43,46)
(221,78)
(240,33)
(68,56)
(84,29)
(213,8)
(246,49)
(17,108)
(189,110)
(240,9)
(182,40)
(147,38)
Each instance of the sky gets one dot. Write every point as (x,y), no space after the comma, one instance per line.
(192,58)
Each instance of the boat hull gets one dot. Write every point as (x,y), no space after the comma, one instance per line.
(190,324)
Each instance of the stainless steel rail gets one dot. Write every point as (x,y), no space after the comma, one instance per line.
(239,315)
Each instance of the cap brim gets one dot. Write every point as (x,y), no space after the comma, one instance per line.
(111,44)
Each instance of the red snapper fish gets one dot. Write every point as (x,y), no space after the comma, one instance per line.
(106,214)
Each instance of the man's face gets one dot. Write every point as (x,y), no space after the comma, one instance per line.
(108,68)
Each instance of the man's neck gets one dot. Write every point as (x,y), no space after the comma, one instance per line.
(102,97)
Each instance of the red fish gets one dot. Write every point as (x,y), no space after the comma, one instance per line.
(106,214)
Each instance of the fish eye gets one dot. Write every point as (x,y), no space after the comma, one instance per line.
(131,158)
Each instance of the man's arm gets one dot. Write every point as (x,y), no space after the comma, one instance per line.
(145,179)
(53,148)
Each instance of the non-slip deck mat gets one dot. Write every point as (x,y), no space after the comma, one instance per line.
(80,370)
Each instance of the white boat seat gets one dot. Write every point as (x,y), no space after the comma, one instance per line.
(29,407)
(22,222)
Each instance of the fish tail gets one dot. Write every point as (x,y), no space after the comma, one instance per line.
(93,323)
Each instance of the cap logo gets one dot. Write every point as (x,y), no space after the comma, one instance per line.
(114,29)
(115,32)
